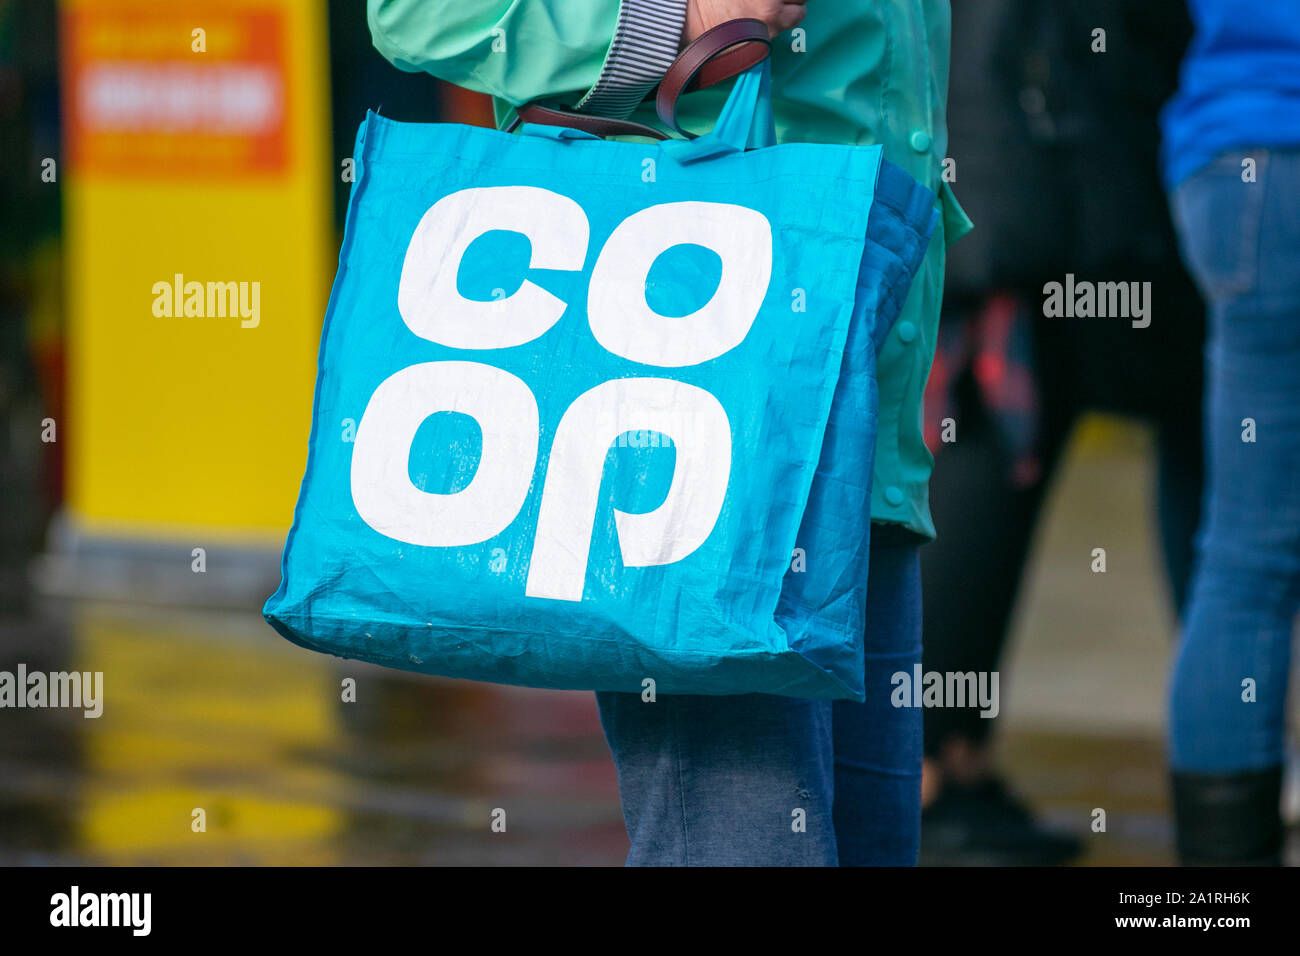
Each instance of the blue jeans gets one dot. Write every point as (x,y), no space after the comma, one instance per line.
(720,781)
(1242,243)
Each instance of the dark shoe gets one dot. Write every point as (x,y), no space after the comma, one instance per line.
(983,824)
(1229,819)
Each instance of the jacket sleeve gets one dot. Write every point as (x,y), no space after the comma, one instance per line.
(602,55)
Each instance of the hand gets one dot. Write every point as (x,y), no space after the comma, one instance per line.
(779,15)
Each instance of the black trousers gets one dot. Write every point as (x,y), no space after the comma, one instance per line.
(972,573)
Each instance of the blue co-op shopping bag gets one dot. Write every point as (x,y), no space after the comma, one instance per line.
(590,413)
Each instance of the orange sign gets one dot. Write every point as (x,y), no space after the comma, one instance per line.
(154,90)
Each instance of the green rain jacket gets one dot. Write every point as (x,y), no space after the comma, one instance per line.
(855,71)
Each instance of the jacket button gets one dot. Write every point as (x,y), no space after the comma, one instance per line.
(920,140)
(894,496)
(906,332)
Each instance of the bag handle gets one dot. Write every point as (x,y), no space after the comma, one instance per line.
(601,126)
(717,54)
(746,121)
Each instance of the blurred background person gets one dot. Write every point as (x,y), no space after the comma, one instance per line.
(1055,136)
(1232,164)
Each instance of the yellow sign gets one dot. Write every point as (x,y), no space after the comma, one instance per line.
(198,240)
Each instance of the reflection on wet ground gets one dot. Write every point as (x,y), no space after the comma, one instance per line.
(212,710)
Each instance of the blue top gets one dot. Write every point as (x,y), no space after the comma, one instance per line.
(1240,83)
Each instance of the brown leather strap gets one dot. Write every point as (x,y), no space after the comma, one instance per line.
(715,55)
(596,125)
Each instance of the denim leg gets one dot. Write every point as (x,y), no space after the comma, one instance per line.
(719,781)
(1242,240)
(878,746)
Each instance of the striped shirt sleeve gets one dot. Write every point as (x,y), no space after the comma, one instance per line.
(646,41)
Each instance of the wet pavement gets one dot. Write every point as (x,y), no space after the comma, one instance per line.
(211,710)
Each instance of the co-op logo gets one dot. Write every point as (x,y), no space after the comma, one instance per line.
(505,408)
